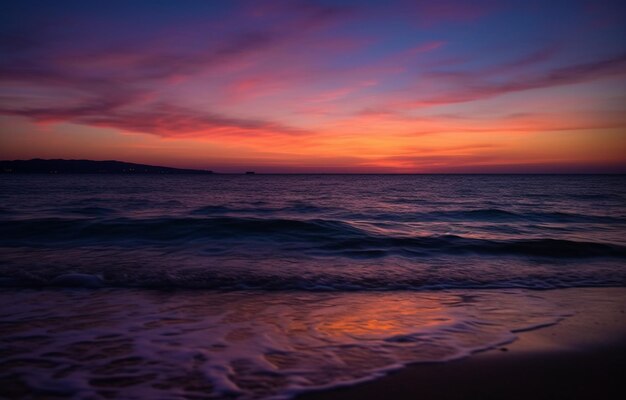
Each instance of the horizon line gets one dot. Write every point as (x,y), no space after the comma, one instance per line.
(251,170)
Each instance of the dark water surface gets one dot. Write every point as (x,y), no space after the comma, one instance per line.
(305,282)
(313,232)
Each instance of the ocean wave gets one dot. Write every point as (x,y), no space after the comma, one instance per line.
(210,279)
(90,211)
(498,215)
(296,207)
(315,236)
(170,229)
(487,215)
(452,244)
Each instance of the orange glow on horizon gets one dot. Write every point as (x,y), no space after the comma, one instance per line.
(407,88)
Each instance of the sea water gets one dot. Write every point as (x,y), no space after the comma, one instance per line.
(265,286)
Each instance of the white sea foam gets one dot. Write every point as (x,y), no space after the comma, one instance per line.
(133,344)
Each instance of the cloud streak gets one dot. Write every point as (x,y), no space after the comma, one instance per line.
(161,119)
(118,83)
(303,81)
(477,86)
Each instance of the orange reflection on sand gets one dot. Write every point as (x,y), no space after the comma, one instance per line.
(379,316)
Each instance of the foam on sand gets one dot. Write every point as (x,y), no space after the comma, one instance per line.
(153,344)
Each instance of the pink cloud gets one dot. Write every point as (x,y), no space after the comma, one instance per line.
(157,118)
(476,86)
(123,83)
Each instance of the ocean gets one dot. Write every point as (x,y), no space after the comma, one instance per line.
(268,286)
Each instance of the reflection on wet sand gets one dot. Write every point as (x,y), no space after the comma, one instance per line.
(245,344)
(383,317)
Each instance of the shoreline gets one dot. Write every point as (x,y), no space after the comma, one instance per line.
(581,357)
(155,344)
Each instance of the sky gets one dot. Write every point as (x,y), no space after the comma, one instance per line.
(306,86)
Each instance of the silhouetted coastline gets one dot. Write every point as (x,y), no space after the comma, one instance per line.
(60,166)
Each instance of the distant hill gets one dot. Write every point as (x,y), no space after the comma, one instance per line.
(39,166)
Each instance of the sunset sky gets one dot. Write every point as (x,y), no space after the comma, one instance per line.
(317,86)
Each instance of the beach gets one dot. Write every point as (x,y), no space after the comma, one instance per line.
(581,357)
(134,344)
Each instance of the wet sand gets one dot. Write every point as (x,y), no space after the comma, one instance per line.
(581,357)
(123,343)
